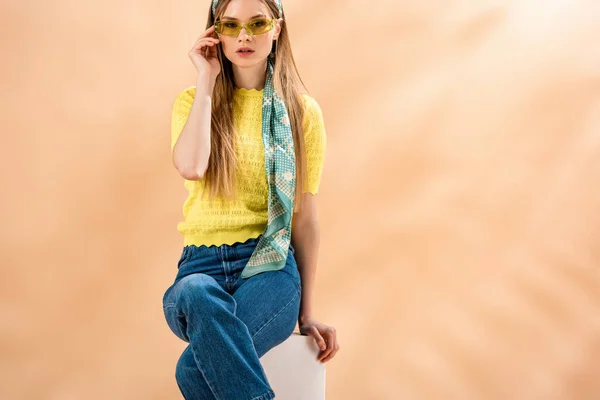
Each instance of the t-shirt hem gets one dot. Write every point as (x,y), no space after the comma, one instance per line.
(218,239)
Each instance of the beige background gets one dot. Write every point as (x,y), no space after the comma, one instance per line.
(460,203)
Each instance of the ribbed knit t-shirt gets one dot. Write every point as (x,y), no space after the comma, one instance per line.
(221,221)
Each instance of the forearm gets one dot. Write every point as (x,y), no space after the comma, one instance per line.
(192,150)
(305,239)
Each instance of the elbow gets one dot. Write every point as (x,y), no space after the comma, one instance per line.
(193,174)
(192,168)
(190,171)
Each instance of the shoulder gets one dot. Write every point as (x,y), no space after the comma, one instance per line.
(312,110)
(186,95)
(310,103)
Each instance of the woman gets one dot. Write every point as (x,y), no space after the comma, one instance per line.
(245,277)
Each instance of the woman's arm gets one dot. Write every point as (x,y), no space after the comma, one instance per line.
(305,239)
(192,148)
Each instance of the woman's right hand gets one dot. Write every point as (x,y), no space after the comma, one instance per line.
(204,54)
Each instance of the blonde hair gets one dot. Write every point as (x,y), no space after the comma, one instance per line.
(220,174)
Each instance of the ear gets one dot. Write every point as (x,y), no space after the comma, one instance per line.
(278,26)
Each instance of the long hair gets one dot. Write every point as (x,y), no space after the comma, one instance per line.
(220,174)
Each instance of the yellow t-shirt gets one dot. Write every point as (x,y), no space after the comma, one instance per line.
(223,221)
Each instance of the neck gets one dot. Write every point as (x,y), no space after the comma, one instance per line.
(252,77)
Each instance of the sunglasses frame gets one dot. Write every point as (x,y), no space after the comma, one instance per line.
(218,27)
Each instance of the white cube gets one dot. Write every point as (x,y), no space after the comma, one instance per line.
(293,370)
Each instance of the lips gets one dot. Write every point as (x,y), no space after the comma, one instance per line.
(245,50)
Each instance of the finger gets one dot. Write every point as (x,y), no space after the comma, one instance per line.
(330,339)
(208,32)
(204,45)
(336,348)
(318,338)
(212,52)
(204,41)
(202,48)
(331,355)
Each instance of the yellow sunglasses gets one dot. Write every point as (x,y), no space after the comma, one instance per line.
(257,26)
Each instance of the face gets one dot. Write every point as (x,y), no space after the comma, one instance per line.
(244,12)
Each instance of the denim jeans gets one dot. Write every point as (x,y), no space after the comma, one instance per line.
(229,322)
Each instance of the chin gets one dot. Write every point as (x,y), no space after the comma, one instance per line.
(247,63)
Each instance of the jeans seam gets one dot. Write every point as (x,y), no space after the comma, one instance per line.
(265,396)
(208,383)
(275,316)
(297,280)
(178,313)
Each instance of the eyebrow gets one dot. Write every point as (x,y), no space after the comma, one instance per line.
(235,19)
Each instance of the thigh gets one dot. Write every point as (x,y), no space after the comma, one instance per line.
(268,303)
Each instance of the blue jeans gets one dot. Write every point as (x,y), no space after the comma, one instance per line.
(229,322)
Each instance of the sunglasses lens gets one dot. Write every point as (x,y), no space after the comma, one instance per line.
(229,28)
(260,26)
(255,27)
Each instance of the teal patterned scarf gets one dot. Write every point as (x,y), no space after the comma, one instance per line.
(271,251)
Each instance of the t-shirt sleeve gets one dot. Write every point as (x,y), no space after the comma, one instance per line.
(315,140)
(181,111)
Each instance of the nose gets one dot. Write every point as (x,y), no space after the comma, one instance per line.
(244,35)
